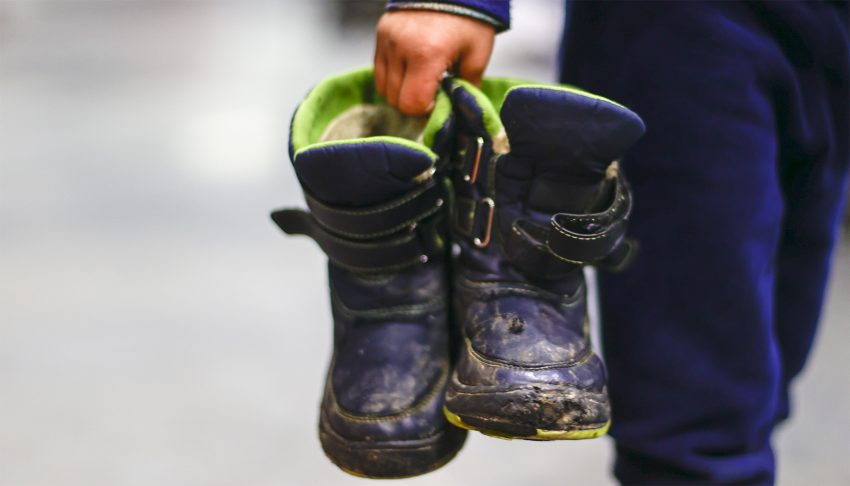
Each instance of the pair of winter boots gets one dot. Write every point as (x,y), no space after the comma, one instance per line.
(455,250)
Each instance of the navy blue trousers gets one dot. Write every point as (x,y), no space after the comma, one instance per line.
(738,188)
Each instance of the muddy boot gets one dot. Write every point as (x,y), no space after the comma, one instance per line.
(375,187)
(538,196)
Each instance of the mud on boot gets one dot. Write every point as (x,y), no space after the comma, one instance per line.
(538,195)
(375,187)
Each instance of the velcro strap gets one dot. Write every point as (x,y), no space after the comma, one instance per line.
(384,254)
(383,219)
(525,246)
(577,239)
(590,238)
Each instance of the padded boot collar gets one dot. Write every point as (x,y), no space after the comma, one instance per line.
(376,200)
(554,200)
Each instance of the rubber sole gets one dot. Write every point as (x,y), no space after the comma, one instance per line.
(434,467)
(539,434)
(535,412)
(391,460)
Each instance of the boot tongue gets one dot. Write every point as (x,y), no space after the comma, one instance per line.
(360,174)
(563,141)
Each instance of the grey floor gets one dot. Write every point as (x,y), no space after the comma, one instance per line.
(155,329)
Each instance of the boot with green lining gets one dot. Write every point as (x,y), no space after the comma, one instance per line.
(538,195)
(374,182)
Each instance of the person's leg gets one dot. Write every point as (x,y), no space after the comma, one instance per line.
(689,331)
(813,170)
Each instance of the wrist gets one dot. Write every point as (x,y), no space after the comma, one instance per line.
(494,13)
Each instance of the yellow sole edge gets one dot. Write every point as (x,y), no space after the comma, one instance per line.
(540,434)
(357,474)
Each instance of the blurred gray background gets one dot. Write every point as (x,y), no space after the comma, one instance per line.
(155,328)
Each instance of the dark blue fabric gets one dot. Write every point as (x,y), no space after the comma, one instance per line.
(738,186)
(360,174)
(498,10)
(583,134)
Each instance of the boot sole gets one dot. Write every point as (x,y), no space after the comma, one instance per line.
(391,459)
(496,428)
(540,412)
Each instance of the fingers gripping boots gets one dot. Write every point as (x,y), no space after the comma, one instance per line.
(537,197)
(373,181)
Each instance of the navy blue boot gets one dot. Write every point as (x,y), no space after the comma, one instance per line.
(374,183)
(538,196)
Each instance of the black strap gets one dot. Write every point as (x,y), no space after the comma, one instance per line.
(409,248)
(383,219)
(574,239)
(589,238)
(525,246)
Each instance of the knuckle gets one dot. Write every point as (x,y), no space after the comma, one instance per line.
(424,50)
(430,48)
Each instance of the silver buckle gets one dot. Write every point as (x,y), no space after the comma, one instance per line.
(488,231)
(470,178)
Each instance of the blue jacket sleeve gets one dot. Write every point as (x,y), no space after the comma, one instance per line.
(494,12)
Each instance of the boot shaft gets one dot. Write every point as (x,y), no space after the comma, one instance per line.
(372,178)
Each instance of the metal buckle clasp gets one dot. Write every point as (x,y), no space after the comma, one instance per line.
(472,176)
(481,243)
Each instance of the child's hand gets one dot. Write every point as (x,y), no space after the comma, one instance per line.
(415,47)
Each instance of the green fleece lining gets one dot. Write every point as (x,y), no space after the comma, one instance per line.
(442,112)
(497,88)
(333,96)
(489,111)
